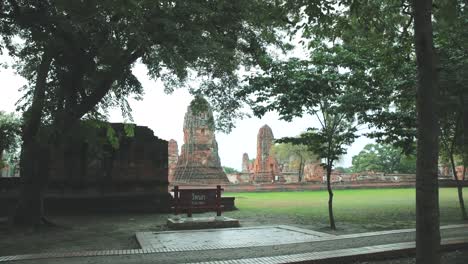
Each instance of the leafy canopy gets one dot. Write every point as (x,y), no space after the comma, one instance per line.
(94,44)
(10,128)
(383,158)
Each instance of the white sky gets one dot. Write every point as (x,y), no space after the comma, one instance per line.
(164,114)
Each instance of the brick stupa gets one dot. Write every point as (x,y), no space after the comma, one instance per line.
(199,161)
(245,163)
(265,167)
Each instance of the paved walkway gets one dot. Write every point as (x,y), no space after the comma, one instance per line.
(319,248)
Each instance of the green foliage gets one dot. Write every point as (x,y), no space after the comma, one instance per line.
(112,137)
(329,142)
(129,130)
(297,87)
(451,44)
(383,158)
(343,169)
(372,43)
(295,156)
(287,153)
(10,129)
(176,40)
(230,170)
(200,105)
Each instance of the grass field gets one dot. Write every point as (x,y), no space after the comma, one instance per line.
(355,210)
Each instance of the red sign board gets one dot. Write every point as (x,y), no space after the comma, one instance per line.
(198,198)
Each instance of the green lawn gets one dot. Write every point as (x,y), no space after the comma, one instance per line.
(355,210)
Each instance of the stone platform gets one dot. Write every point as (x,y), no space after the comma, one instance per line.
(227,238)
(201,222)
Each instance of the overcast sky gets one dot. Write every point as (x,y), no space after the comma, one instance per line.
(164,114)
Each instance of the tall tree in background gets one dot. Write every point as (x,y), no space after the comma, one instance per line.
(451,145)
(329,142)
(452,43)
(10,127)
(383,158)
(295,88)
(78,55)
(295,156)
(427,186)
(373,40)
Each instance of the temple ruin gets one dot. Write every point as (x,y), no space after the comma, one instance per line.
(199,161)
(245,163)
(265,167)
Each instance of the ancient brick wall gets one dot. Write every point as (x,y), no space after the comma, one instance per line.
(89,163)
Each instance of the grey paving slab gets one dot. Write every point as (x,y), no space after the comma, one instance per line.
(227,238)
(191,240)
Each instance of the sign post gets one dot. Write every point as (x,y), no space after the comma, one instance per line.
(190,199)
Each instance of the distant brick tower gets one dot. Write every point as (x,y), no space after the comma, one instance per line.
(245,163)
(199,161)
(173,151)
(265,168)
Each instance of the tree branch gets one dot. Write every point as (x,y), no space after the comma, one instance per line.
(16,8)
(34,113)
(105,85)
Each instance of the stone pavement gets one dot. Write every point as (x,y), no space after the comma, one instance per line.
(227,238)
(307,246)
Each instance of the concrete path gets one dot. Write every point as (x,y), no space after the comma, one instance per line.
(320,248)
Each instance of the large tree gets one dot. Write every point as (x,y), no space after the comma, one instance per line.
(77,57)
(451,146)
(452,40)
(427,187)
(388,46)
(329,143)
(383,158)
(295,88)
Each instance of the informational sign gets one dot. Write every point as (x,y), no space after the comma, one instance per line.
(188,199)
(198,198)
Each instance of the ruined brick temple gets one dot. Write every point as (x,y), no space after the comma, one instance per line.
(265,167)
(198,162)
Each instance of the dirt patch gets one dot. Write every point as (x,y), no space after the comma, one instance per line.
(77,233)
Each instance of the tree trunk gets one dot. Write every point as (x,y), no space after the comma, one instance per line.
(29,210)
(464,147)
(1,160)
(301,169)
(450,151)
(427,192)
(461,201)
(464,103)
(330,199)
(34,170)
